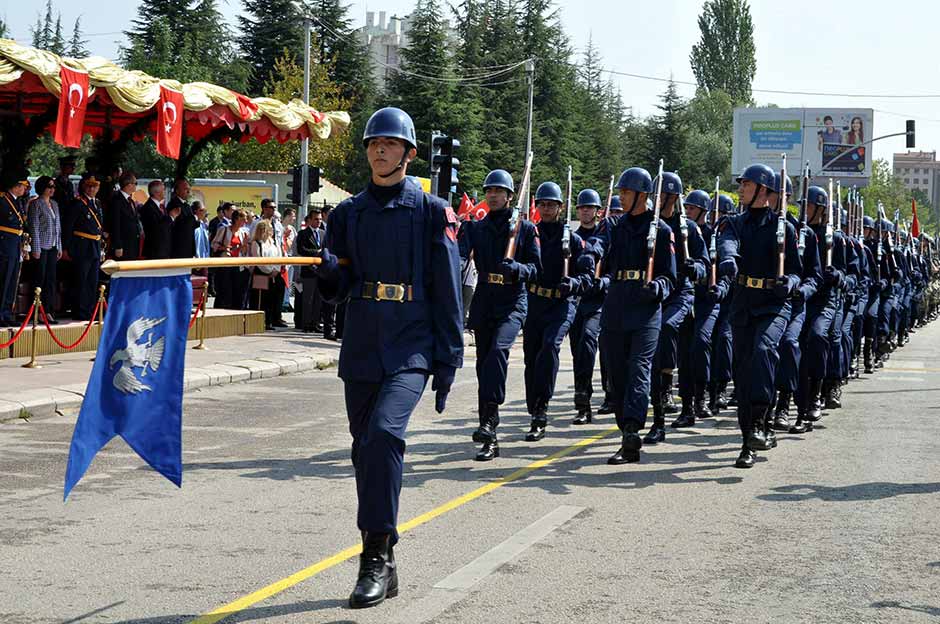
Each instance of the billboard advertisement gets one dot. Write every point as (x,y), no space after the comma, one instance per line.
(832,140)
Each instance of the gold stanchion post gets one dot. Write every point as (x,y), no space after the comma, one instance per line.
(201,328)
(100,316)
(32,343)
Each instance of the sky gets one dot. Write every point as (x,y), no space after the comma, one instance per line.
(838,47)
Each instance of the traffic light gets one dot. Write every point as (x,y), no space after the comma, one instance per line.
(910,133)
(313,179)
(295,184)
(444,164)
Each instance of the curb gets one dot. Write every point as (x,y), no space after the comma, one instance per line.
(67,399)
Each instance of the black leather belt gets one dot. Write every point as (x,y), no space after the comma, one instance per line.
(761,283)
(550,293)
(496,278)
(386,292)
(629,275)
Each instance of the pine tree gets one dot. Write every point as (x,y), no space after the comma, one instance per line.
(668,132)
(144,32)
(269,28)
(77,46)
(3,28)
(57,42)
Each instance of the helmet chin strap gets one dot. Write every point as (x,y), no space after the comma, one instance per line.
(636,197)
(394,171)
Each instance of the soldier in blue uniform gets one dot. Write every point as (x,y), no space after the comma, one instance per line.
(695,350)
(404,322)
(788,369)
(821,312)
(676,308)
(553,300)
(760,307)
(832,386)
(586,328)
(722,339)
(81,237)
(500,302)
(632,313)
(879,273)
(854,298)
(603,230)
(12,226)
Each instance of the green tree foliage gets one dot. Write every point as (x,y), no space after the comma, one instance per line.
(78,47)
(47,32)
(4,30)
(724,57)
(268,28)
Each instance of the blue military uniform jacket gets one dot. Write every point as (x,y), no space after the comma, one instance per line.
(701,285)
(698,251)
(486,239)
(411,242)
(81,231)
(11,218)
(844,260)
(580,262)
(626,308)
(749,239)
(593,297)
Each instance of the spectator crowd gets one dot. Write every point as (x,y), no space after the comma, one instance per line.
(56,235)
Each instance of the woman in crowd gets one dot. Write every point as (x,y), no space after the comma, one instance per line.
(45,229)
(266,282)
(231,283)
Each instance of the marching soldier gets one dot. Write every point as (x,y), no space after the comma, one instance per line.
(833,383)
(12,226)
(603,228)
(632,313)
(500,303)
(788,369)
(760,307)
(876,290)
(567,271)
(81,237)
(722,339)
(676,307)
(586,327)
(405,324)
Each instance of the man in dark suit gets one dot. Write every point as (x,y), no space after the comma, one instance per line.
(182,241)
(126,227)
(157,223)
(309,243)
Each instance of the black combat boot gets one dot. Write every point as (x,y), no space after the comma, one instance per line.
(866,355)
(814,391)
(669,404)
(537,428)
(722,400)
(686,416)
(606,407)
(629,451)
(698,402)
(769,432)
(830,400)
(747,458)
(378,574)
(657,432)
(478,432)
(582,403)
(757,436)
(782,412)
(490,449)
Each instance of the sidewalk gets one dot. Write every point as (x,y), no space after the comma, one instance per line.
(59,386)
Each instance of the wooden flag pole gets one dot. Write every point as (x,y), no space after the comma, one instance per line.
(121,266)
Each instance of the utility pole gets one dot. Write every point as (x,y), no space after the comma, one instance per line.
(305,143)
(530,71)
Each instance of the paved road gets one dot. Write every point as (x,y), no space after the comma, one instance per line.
(839,526)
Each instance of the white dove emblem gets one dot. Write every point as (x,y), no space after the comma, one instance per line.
(136,354)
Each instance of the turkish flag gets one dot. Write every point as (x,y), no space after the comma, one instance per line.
(481,210)
(463,212)
(915,224)
(73,101)
(169,122)
(534,215)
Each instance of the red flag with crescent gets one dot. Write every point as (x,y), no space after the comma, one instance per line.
(73,102)
(169,122)
(534,215)
(463,212)
(915,224)
(481,210)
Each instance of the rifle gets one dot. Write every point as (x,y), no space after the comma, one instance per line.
(683,226)
(565,249)
(568,206)
(801,235)
(654,224)
(829,229)
(515,220)
(610,198)
(838,207)
(713,244)
(782,219)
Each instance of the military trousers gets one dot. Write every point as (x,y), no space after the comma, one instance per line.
(583,339)
(788,369)
(629,356)
(493,340)
(546,325)
(755,361)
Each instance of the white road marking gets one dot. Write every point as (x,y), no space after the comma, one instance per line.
(456,587)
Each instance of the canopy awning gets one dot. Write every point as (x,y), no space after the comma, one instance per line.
(30,85)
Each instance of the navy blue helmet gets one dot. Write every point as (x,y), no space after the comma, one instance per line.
(777,183)
(391,123)
(549,191)
(725,205)
(698,198)
(672,183)
(615,203)
(636,179)
(868,222)
(499,178)
(589,197)
(816,195)
(759,174)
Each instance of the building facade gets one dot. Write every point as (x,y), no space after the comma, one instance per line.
(920,171)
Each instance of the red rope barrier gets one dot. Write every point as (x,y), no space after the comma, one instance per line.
(202,302)
(16,336)
(45,319)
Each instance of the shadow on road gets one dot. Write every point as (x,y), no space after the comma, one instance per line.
(878,490)
(251,614)
(894,604)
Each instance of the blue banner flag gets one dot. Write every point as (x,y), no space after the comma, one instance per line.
(136,384)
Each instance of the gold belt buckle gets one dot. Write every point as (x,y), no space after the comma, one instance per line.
(495,278)
(544,292)
(755,282)
(389,292)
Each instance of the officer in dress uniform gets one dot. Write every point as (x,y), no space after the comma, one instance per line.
(586,327)
(632,315)
(760,307)
(788,369)
(500,302)
(820,313)
(12,226)
(677,307)
(567,271)
(81,237)
(405,323)
(695,347)
(603,228)
(722,339)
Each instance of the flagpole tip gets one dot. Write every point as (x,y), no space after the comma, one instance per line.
(109,267)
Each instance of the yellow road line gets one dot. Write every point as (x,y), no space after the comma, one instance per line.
(286,583)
